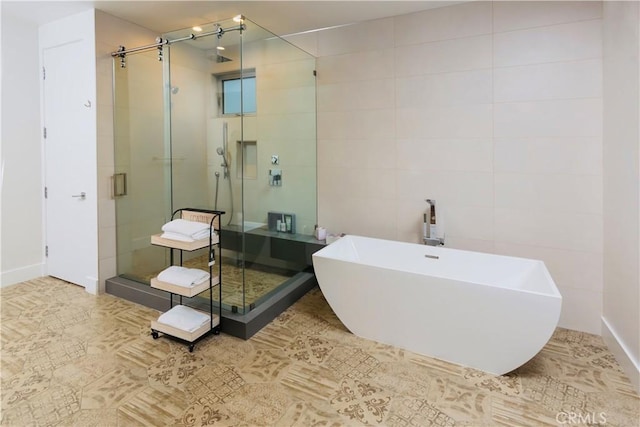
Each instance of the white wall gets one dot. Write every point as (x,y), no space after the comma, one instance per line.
(492,109)
(21,187)
(621,317)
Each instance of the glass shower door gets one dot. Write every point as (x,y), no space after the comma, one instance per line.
(142,184)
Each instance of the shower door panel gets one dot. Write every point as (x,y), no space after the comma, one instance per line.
(70,156)
(142,152)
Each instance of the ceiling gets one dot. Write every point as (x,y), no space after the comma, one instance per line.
(280,17)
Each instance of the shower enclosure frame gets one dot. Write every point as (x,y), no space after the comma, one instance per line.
(250,319)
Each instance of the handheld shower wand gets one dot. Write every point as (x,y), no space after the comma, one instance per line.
(224,164)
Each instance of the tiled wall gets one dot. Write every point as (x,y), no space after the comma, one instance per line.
(621,208)
(284,125)
(492,109)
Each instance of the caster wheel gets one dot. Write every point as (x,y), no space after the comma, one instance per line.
(154,334)
(216,331)
(191,347)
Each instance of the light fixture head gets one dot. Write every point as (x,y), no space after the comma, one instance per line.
(197,28)
(238,18)
(220,47)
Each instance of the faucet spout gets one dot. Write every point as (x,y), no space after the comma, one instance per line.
(430,229)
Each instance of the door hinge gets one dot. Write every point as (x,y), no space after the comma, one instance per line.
(44,74)
(46,251)
(46,192)
(44,132)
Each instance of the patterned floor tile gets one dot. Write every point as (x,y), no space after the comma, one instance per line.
(86,369)
(403,379)
(215,382)
(151,407)
(112,339)
(92,418)
(417,412)
(304,414)
(509,384)
(114,388)
(265,365)
(24,385)
(258,404)
(145,351)
(361,401)
(309,382)
(225,349)
(351,362)
(556,396)
(50,408)
(460,400)
(203,412)
(55,354)
(310,349)
(175,370)
(517,412)
(69,358)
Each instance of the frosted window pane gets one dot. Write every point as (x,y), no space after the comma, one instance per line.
(231,95)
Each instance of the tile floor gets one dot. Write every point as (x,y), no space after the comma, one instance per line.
(72,359)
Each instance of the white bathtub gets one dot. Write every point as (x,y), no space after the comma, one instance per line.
(484,311)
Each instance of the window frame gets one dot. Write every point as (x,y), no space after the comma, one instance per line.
(235,75)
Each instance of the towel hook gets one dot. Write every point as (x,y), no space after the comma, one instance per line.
(88,104)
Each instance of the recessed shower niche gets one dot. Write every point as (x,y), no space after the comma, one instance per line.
(186,136)
(247,162)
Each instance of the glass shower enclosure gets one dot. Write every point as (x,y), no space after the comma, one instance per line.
(221,116)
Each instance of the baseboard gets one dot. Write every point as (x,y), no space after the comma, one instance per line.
(22,274)
(630,366)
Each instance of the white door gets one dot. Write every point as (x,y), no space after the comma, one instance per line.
(70,166)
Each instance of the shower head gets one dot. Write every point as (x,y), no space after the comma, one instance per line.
(221,152)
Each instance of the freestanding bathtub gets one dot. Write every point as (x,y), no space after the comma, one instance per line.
(487,312)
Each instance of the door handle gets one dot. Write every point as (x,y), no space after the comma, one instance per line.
(119,185)
(82,195)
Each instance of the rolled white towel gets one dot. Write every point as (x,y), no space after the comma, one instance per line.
(183,276)
(191,229)
(184,318)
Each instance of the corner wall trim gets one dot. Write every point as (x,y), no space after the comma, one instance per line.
(630,366)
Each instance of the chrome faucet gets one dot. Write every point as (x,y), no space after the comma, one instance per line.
(429,238)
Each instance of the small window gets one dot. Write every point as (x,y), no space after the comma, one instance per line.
(231,89)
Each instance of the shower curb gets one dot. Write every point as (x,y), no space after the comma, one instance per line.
(238,325)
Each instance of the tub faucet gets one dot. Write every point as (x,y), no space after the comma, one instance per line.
(429,236)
